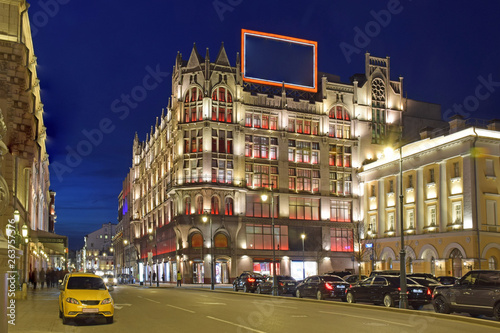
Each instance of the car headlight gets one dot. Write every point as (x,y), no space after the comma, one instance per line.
(72,300)
(108,300)
(105,280)
(115,280)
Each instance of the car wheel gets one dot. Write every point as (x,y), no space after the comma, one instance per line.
(388,301)
(350,298)
(235,287)
(258,290)
(496,311)
(319,295)
(297,294)
(109,320)
(245,289)
(60,313)
(440,305)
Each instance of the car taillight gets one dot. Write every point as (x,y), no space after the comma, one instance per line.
(429,292)
(328,286)
(350,286)
(251,280)
(281,283)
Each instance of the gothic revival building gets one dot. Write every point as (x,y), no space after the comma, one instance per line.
(223,142)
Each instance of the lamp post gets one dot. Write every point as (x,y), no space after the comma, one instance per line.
(212,285)
(151,236)
(24,234)
(403,298)
(303,236)
(264,198)
(372,256)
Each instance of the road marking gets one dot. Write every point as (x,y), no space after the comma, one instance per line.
(284,306)
(299,316)
(384,321)
(176,307)
(149,299)
(237,325)
(120,306)
(212,303)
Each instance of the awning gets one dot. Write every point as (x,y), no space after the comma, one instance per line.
(51,241)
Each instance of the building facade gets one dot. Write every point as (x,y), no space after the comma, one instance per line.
(97,253)
(222,143)
(24,174)
(450,194)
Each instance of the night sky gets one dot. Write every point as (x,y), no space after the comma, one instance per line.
(92,54)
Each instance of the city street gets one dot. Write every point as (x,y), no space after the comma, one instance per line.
(189,309)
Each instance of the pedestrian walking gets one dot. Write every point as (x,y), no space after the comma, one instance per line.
(48,278)
(35,278)
(154,276)
(179,279)
(42,277)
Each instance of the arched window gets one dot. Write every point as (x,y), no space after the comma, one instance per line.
(220,241)
(339,125)
(222,105)
(214,207)
(193,105)
(199,205)
(187,206)
(196,240)
(492,263)
(229,206)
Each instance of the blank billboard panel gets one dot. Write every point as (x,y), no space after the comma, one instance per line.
(274,59)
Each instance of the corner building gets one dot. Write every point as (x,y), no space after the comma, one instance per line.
(223,142)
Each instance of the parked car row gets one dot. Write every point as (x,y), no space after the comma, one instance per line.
(476,293)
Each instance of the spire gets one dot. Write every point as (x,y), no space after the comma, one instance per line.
(222,59)
(195,58)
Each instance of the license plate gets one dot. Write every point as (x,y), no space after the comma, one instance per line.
(341,287)
(290,284)
(418,291)
(90,310)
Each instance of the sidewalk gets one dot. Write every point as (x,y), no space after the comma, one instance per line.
(184,285)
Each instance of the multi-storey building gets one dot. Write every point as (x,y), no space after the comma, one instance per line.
(223,142)
(450,194)
(98,250)
(24,162)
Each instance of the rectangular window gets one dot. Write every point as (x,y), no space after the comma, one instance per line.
(432,215)
(391,186)
(341,240)
(456,170)
(340,211)
(410,216)
(410,181)
(431,176)
(457,213)
(259,237)
(491,212)
(304,209)
(490,168)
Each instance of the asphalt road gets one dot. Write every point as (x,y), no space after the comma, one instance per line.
(140,309)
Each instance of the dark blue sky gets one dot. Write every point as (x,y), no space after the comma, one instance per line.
(92,53)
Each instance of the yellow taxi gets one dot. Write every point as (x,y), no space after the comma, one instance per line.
(84,295)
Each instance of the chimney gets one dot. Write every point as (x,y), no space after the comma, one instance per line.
(494,124)
(457,123)
(426,133)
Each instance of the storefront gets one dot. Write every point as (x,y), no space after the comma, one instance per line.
(300,268)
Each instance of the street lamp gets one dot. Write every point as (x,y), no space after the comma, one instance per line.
(303,236)
(150,230)
(204,219)
(403,298)
(264,197)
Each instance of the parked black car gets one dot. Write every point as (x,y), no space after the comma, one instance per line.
(477,293)
(385,289)
(447,280)
(354,278)
(426,281)
(286,285)
(322,286)
(248,281)
(385,272)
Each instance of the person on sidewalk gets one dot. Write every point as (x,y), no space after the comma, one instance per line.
(42,277)
(35,278)
(179,279)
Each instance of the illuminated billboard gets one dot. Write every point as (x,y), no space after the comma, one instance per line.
(274,59)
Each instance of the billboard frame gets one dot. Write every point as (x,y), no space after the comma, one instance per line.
(294,40)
